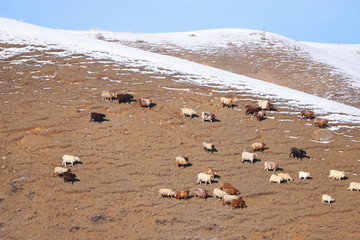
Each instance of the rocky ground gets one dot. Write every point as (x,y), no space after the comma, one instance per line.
(45,111)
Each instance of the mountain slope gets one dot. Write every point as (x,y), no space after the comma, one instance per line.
(317,69)
(191,72)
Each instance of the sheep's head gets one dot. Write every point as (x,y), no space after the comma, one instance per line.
(77,159)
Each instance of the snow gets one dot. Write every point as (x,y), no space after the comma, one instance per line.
(15,32)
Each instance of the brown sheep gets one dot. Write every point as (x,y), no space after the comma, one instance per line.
(201,193)
(235,203)
(210,171)
(319,122)
(259,115)
(251,109)
(308,114)
(182,194)
(225,184)
(230,190)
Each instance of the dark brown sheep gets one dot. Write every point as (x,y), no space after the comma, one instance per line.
(124,98)
(97,117)
(251,109)
(69,177)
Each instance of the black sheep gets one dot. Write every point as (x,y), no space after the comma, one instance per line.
(97,117)
(297,152)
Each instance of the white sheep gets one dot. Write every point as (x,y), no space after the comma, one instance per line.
(166,192)
(206,116)
(271,166)
(208,146)
(275,178)
(304,175)
(327,198)
(335,174)
(264,104)
(227,102)
(218,193)
(286,177)
(228,198)
(258,147)
(106,95)
(181,161)
(60,170)
(187,112)
(246,156)
(354,186)
(69,159)
(203,177)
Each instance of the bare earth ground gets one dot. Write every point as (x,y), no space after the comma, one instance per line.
(45,112)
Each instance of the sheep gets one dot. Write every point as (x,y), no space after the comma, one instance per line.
(210,171)
(182,161)
(258,147)
(307,113)
(218,193)
(246,156)
(182,194)
(201,193)
(251,109)
(286,177)
(124,98)
(238,203)
(187,112)
(60,170)
(206,116)
(354,186)
(227,198)
(69,177)
(271,166)
(275,178)
(224,184)
(260,115)
(97,117)
(203,177)
(335,174)
(297,152)
(327,198)
(304,175)
(145,103)
(230,190)
(166,192)
(106,95)
(209,147)
(69,159)
(265,105)
(227,102)
(319,122)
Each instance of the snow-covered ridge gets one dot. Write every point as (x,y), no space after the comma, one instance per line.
(15,32)
(345,58)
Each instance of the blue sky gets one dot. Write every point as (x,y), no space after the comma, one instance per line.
(327,21)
